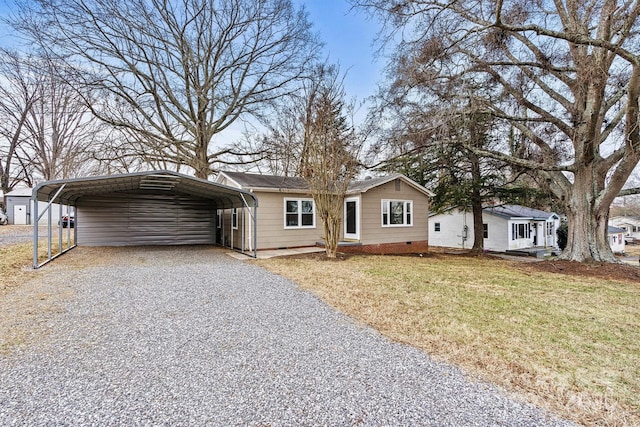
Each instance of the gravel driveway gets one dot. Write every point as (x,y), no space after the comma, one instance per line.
(190,336)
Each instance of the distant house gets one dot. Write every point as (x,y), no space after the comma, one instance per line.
(380,215)
(506,227)
(630,225)
(617,239)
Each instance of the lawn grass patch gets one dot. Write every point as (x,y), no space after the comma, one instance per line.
(570,344)
(14,259)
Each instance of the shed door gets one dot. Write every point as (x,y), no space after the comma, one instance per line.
(20,214)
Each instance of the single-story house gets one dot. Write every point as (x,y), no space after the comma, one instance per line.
(616,239)
(505,227)
(381,215)
(630,224)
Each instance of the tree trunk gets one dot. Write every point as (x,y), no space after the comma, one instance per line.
(587,237)
(332,226)
(476,203)
(478,226)
(201,163)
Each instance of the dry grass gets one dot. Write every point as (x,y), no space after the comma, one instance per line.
(14,260)
(26,298)
(570,344)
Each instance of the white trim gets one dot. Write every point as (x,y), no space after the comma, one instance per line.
(356,235)
(405,212)
(299,200)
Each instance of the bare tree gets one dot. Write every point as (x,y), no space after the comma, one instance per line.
(330,150)
(565,74)
(18,93)
(175,73)
(313,137)
(60,132)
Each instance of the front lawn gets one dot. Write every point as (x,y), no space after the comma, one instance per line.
(568,343)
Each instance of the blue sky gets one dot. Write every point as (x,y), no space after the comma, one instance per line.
(349,37)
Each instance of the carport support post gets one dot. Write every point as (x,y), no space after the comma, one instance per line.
(60,228)
(75,228)
(49,218)
(35,233)
(255,232)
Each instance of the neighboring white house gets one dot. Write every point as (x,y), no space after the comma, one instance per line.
(506,227)
(630,225)
(617,239)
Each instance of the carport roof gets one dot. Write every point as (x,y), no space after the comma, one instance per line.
(161,181)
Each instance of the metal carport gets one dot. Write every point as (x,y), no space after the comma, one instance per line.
(144,208)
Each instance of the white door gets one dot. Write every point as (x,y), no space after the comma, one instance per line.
(352,218)
(20,214)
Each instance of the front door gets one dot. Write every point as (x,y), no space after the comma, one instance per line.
(352,218)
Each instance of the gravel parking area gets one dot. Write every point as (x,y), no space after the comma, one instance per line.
(190,336)
(10,234)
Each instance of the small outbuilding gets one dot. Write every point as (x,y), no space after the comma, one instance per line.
(144,208)
(19,206)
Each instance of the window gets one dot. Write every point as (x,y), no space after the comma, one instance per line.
(550,227)
(485,231)
(519,231)
(234,218)
(436,227)
(299,213)
(219,217)
(397,213)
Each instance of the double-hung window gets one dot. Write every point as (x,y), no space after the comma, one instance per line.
(397,213)
(299,213)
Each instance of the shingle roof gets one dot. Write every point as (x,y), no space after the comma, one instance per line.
(517,211)
(273,182)
(253,180)
(612,229)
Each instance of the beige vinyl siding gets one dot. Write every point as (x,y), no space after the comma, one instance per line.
(271,230)
(371,229)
